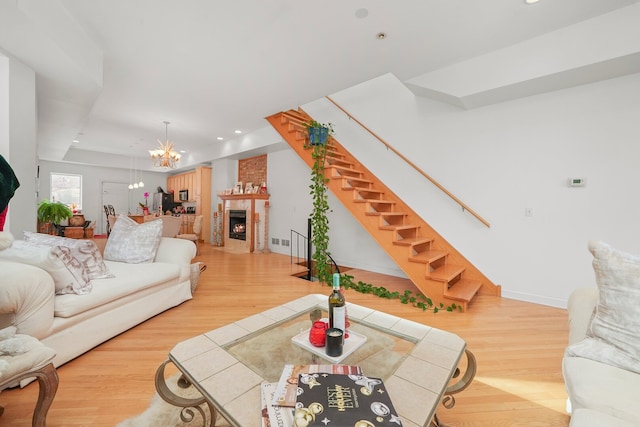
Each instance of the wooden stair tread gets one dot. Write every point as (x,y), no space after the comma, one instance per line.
(335,154)
(336,161)
(295,116)
(367,190)
(463,290)
(352,178)
(411,241)
(446,273)
(386,213)
(427,257)
(345,169)
(376,201)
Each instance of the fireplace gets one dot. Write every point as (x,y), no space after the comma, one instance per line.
(238,224)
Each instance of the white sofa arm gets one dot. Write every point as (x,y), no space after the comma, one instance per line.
(175,251)
(26,298)
(582,302)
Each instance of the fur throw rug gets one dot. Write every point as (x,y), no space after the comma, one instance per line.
(10,345)
(162,414)
(6,239)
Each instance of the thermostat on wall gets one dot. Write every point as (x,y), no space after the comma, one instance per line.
(576,182)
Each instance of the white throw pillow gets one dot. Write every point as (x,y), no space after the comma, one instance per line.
(68,274)
(85,251)
(133,243)
(613,337)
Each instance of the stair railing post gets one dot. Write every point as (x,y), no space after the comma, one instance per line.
(309,262)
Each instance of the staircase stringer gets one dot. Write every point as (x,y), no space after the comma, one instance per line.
(400,252)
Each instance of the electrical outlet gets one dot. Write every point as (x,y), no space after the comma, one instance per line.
(528,211)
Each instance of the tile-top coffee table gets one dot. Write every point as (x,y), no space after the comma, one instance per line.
(228,364)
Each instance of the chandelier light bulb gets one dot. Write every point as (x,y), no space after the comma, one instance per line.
(130,186)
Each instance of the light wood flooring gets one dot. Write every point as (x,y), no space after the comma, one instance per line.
(518,346)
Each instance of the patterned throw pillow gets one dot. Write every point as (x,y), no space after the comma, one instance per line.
(68,274)
(612,337)
(133,243)
(86,252)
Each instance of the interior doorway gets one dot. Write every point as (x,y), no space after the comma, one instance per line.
(116,194)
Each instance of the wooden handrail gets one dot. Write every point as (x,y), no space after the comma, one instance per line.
(420,171)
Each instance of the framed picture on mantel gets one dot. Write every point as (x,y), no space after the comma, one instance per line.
(238,188)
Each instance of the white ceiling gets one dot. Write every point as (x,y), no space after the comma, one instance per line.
(109,72)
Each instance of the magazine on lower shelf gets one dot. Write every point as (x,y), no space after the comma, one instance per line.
(287,388)
(343,401)
(274,416)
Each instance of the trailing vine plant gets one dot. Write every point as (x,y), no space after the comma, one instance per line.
(319,140)
(407,297)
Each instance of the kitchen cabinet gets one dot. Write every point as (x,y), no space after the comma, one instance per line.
(198,183)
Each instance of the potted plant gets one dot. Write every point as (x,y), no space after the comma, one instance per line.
(319,139)
(318,133)
(52,213)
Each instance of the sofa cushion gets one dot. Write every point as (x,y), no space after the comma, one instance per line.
(133,243)
(129,278)
(85,251)
(27,296)
(589,418)
(602,388)
(67,273)
(612,336)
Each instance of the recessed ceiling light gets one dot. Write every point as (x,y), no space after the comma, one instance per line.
(76,140)
(531,1)
(219,138)
(238,131)
(381,36)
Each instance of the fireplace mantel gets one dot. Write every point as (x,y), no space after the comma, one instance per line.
(226,197)
(254,204)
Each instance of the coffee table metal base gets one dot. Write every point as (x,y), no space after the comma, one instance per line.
(449,401)
(188,406)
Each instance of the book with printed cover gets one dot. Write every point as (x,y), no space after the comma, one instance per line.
(274,416)
(343,401)
(287,388)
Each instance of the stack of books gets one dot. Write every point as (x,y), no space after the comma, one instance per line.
(327,395)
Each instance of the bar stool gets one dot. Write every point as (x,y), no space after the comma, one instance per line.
(34,360)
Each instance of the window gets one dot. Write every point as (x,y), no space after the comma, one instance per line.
(67,189)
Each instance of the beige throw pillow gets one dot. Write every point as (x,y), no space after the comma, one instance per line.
(86,252)
(133,243)
(613,337)
(68,274)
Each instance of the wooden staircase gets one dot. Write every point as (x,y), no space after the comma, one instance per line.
(433,265)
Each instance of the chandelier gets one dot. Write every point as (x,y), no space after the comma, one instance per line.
(165,156)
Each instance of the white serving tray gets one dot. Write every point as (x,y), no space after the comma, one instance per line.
(351,344)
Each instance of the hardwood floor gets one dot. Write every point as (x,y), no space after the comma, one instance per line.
(518,346)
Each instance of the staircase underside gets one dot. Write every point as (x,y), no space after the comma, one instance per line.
(435,267)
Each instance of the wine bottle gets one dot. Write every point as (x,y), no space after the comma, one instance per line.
(337,306)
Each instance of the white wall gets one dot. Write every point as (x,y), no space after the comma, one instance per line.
(18,139)
(502,159)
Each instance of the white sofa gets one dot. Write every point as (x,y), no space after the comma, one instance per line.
(72,324)
(602,379)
